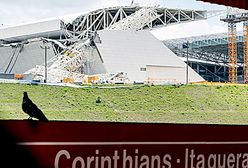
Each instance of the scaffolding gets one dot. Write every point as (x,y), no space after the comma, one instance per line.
(232,53)
(232,20)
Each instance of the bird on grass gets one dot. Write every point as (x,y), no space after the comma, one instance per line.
(98,100)
(31,109)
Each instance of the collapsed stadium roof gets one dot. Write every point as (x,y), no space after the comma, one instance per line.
(86,24)
(75,47)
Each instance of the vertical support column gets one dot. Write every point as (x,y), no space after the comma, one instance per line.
(232,53)
(198,68)
(45,46)
(121,13)
(104,19)
(165,15)
(87,26)
(246,52)
(187,68)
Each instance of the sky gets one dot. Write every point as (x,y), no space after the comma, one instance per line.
(23,11)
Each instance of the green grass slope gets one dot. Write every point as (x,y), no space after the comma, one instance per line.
(166,104)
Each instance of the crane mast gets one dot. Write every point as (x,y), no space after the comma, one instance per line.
(233,17)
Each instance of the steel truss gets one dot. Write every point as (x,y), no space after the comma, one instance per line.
(85,25)
(137,20)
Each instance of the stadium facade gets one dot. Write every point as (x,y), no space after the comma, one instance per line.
(114,44)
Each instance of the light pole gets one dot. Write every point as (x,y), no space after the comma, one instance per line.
(186,45)
(187,69)
(45,47)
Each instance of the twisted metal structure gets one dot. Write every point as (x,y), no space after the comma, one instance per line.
(137,20)
(74,41)
(85,25)
(83,29)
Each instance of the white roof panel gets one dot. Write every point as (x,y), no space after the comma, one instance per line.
(47,28)
(130,51)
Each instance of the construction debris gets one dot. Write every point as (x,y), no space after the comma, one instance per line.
(73,54)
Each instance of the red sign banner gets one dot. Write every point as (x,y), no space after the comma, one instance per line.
(243,4)
(122,145)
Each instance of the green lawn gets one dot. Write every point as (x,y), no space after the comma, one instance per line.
(140,103)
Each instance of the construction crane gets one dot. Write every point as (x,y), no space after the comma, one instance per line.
(232,19)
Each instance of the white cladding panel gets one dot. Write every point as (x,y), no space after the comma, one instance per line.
(169,74)
(163,73)
(131,51)
(19,60)
(30,30)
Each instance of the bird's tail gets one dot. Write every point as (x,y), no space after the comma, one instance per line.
(43,117)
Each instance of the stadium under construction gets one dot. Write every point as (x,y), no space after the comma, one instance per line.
(208,55)
(114,45)
(217,57)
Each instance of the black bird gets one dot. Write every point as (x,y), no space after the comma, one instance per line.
(31,109)
(98,100)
